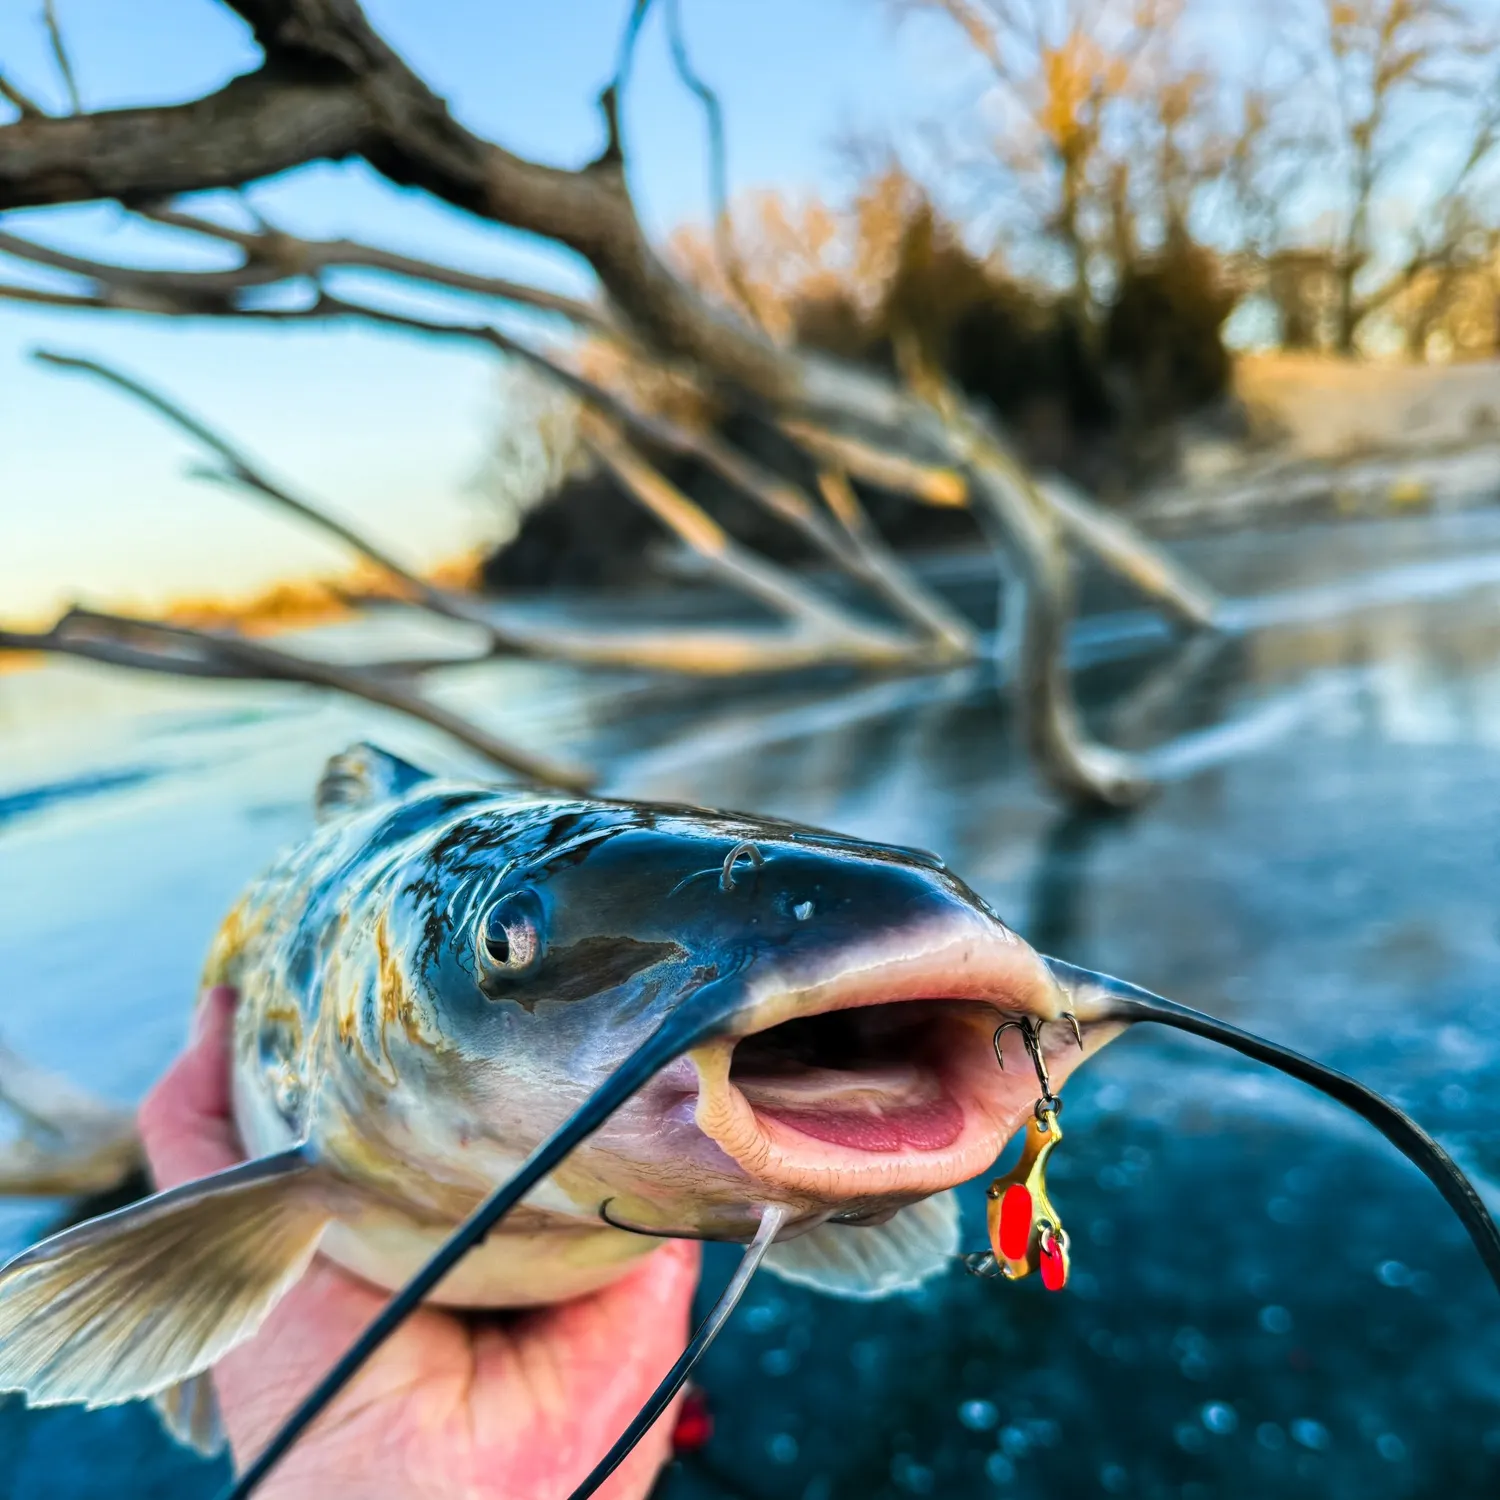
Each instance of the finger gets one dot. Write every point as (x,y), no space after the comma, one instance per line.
(185,1121)
(649,1313)
(613,1345)
(263,1380)
(652,1302)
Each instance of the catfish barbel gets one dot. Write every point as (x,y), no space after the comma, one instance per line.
(754,1031)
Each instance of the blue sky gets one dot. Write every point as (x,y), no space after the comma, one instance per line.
(94,501)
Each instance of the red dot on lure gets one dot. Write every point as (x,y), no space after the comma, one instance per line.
(1015,1221)
(695,1423)
(1054,1267)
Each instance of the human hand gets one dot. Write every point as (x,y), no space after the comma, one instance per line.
(519,1406)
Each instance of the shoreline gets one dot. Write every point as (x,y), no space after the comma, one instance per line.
(290,604)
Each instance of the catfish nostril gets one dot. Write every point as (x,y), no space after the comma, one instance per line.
(743,850)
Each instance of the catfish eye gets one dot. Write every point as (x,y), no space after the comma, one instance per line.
(510,937)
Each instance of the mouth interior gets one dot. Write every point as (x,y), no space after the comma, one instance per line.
(872,1078)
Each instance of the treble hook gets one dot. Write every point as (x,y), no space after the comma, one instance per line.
(1031,1038)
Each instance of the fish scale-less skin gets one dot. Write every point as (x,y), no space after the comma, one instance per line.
(373,1027)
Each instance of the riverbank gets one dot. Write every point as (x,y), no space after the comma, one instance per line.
(1322,438)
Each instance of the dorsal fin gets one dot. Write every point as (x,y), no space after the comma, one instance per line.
(360,777)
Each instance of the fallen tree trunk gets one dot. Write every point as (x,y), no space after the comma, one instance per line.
(330,88)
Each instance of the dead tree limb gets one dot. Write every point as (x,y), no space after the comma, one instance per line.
(298,257)
(331,88)
(175,650)
(822,634)
(863,555)
(929,483)
(60,53)
(22,101)
(773,586)
(1077,766)
(1113,541)
(271,257)
(867,559)
(699,652)
(718,165)
(12,293)
(743,570)
(1150,569)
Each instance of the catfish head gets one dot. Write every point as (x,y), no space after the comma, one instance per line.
(836,1004)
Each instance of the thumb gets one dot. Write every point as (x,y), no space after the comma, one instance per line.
(185,1121)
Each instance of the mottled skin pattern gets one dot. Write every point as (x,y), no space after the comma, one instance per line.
(373,1027)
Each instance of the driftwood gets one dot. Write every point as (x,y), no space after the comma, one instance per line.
(330,88)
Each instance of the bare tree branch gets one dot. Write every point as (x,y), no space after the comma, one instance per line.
(728,653)
(60,52)
(718,164)
(1117,544)
(743,570)
(1120,547)
(826,636)
(12,293)
(869,561)
(928,483)
(129,288)
(863,555)
(23,102)
(254,127)
(272,257)
(1078,767)
(612,100)
(152,645)
(332,88)
(885,571)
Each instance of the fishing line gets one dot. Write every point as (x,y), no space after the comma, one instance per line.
(1114,999)
(1128,1002)
(708,1330)
(634,1073)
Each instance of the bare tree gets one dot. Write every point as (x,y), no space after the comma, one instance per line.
(1450,261)
(330,88)
(1379,60)
(1092,96)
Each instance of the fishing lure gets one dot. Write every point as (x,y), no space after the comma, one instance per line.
(1025,1230)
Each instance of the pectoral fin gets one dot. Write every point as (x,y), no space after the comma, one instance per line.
(130,1304)
(851,1260)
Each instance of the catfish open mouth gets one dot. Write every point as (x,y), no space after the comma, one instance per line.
(874,1078)
(880,1081)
